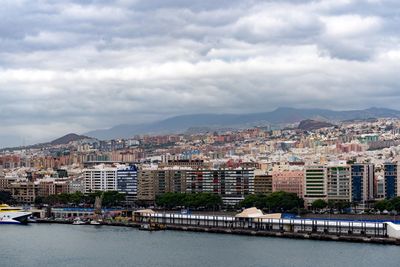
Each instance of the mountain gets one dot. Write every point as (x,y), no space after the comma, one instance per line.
(309,125)
(68,138)
(59,141)
(279,116)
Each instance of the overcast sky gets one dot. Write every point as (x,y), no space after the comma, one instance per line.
(74,66)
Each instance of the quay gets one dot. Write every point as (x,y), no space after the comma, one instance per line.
(252,222)
(257,224)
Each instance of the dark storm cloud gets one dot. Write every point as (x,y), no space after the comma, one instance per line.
(80,65)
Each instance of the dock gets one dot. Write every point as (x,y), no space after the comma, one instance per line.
(332,230)
(298,228)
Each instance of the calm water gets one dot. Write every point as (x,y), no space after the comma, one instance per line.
(79,245)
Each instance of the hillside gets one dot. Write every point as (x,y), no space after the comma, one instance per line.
(59,141)
(68,138)
(309,125)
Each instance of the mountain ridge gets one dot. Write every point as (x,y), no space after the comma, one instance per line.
(279,116)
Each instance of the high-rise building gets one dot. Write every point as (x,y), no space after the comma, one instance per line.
(24,191)
(362,182)
(100,178)
(392,180)
(339,183)
(288,181)
(121,178)
(263,184)
(154,182)
(146,185)
(127,182)
(233,185)
(315,183)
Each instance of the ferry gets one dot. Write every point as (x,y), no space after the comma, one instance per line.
(13,215)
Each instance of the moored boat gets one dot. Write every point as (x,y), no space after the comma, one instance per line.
(78,221)
(94,222)
(13,215)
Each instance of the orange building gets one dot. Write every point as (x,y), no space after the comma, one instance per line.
(288,181)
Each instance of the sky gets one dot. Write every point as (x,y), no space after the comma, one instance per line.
(75,66)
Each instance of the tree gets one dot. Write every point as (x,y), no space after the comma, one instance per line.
(283,201)
(395,202)
(342,204)
(319,204)
(77,198)
(51,200)
(39,200)
(172,200)
(63,198)
(6,197)
(277,201)
(258,200)
(112,198)
(206,201)
(338,204)
(383,205)
(331,204)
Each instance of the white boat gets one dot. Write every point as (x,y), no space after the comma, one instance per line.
(13,215)
(78,221)
(94,222)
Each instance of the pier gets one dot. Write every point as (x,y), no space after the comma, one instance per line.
(335,230)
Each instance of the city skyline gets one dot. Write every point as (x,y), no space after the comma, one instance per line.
(84,65)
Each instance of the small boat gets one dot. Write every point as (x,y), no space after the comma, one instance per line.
(32,219)
(94,222)
(145,227)
(151,226)
(78,221)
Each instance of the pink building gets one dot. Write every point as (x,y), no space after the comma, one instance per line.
(288,181)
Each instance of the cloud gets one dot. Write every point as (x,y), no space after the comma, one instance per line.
(73,66)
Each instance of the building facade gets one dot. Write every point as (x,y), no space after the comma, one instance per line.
(127,182)
(263,184)
(233,185)
(363,182)
(315,184)
(100,178)
(392,180)
(288,181)
(154,182)
(339,183)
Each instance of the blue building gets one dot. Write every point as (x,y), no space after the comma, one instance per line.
(362,182)
(127,182)
(391,179)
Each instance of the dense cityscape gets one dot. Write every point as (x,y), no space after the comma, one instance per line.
(354,162)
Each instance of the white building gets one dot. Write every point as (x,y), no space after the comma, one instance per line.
(120,178)
(100,178)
